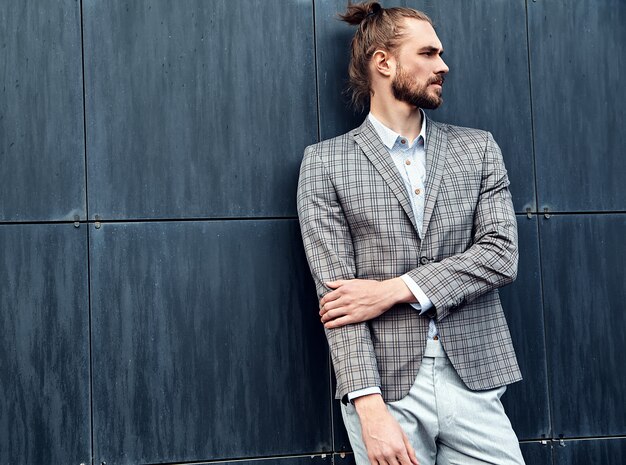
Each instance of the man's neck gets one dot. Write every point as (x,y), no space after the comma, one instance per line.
(403,119)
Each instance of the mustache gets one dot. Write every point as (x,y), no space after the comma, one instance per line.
(437,80)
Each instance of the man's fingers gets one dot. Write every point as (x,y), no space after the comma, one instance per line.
(329,304)
(333,314)
(377,460)
(335,284)
(332,295)
(382,460)
(398,455)
(338,322)
(403,459)
(332,305)
(398,459)
(409,449)
(411,455)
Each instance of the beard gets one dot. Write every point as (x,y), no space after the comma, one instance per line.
(406,90)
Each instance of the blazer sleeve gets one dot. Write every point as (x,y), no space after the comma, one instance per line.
(330,254)
(491,261)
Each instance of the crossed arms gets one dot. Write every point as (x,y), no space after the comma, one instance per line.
(489,262)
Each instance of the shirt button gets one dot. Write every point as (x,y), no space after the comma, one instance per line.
(408,162)
(403,141)
(418,191)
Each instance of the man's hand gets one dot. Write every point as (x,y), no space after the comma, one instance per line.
(356,300)
(384,440)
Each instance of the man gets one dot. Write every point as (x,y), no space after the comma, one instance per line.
(409,230)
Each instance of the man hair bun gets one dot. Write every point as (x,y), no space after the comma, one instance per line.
(356,13)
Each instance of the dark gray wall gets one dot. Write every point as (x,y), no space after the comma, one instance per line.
(155,303)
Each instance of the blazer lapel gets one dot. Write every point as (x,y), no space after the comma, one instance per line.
(365,135)
(436,146)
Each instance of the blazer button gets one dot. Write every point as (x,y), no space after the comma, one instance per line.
(424,260)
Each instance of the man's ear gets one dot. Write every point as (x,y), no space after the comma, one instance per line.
(383,62)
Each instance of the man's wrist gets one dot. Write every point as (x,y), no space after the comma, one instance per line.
(370,403)
(400,291)
(421,301)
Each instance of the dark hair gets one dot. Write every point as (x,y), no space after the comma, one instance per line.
(378,28)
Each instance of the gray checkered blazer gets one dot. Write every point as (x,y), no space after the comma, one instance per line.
(357,222)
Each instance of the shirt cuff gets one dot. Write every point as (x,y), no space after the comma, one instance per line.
(424,304)
(363,392)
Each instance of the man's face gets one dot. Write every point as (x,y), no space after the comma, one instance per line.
(420,70)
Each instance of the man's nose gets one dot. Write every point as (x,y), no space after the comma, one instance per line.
(443,68)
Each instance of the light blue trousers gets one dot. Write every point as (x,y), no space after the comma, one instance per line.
(446,423)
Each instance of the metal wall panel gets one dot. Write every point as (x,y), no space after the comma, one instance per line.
(42,152)
(591,451)
(341,441)
(308,460)
(44,345)
(488,84)
(197,109)
(206,343)
(536,453)
(344,459)
(526,402)
(332,39)
(583,260)
(578,64)
(487,87)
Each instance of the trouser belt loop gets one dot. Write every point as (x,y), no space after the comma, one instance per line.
(434,349)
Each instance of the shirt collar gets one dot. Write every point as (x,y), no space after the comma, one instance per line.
(388,136)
